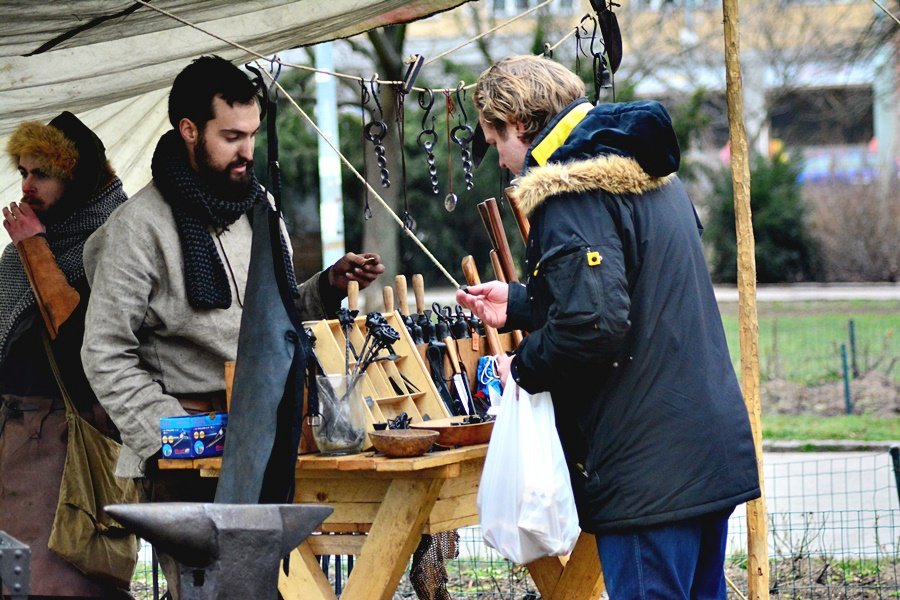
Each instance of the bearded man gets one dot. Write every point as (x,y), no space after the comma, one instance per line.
(169,269)
(68,191)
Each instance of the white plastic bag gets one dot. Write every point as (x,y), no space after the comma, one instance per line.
(525,499)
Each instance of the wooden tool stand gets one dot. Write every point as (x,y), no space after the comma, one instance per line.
(388,387)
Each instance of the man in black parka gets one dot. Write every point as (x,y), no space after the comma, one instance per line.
(624,328)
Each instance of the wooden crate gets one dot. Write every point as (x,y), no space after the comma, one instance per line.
(388,387)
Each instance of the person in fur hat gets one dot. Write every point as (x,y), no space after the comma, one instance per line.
(624,328)
(68,190)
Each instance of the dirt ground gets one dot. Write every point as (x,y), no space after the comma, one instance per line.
(874,394)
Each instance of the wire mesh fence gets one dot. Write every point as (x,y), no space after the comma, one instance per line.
(834,532)
(827,363)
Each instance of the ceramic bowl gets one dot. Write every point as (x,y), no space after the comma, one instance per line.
(402,443)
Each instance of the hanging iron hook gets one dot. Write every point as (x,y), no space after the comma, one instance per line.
(375,87)
(461,103)
(596,26)
(426,106)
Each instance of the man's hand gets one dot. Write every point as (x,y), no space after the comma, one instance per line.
(487,300)
(21,222)
(362,268)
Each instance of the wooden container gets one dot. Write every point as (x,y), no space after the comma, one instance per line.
(388,387)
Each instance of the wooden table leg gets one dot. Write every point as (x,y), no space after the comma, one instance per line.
(578,578)
(307,580)
(394,536)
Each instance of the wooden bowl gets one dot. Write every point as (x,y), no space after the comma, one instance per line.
(401,443)
(458,434)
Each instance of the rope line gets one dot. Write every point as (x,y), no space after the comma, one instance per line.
(886,11)
(372,190)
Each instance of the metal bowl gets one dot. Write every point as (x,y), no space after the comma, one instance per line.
(403,443)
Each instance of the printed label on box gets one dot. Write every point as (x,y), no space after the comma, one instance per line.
(193,436)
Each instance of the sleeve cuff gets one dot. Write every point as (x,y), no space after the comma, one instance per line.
(522,376)
(518,309)
(330,296)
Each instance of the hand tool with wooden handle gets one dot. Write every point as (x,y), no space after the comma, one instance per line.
(424,326)
(495,262)
(388,294)
(501,245)
(402,296)
(470,270)
(353,295)
(512,194)
(460,381)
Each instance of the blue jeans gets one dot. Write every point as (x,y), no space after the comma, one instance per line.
(675,561)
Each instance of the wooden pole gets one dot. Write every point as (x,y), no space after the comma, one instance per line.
(757,527)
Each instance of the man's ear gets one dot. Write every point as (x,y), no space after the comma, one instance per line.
(188,130)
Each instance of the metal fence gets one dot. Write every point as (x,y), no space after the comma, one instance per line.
(834,532)
(831,363)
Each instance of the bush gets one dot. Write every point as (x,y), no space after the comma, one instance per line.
(784,250)
(858,228)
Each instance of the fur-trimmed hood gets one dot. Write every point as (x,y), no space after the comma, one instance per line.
(614,174)
(627,148)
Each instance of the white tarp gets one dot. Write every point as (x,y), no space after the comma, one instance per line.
(114,70)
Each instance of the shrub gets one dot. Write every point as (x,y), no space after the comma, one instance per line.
(784,250)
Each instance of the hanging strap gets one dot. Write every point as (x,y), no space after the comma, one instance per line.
(70,407)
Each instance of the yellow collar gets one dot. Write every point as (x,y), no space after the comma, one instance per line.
(553,140)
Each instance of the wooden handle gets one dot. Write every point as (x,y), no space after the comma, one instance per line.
(388,293)
(486,221)
(470,270)
(419,291)
(402,297)
(512,194)
(501,245)
(353,295)
(498,268)
(453,354)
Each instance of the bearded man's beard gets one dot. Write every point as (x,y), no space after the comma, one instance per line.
(219,180)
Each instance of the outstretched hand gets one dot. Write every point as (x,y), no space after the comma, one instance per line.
(487,300)
(21,222)
(362,268)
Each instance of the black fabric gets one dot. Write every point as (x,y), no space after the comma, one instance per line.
(632,348)
(66,239)
(89,170)
(264,422)
(196,208)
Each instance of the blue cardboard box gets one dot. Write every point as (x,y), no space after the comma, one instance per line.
(193,436)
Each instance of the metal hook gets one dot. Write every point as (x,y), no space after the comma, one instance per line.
(581,33)
(426,106)
(596,25)
(364,93)
(461,102)
(372,86)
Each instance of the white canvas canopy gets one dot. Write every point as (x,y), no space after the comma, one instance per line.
(111,62)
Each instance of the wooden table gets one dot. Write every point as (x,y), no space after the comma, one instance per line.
(393,501)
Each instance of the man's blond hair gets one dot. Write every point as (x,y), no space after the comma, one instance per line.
(525,89)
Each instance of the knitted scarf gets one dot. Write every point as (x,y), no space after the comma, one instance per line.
(196,208)
(66,239)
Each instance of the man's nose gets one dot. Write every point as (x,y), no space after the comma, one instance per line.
(245,151)
(28,183)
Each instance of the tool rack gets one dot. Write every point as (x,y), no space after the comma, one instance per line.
(388,387)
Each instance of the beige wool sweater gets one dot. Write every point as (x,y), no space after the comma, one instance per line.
(143,341)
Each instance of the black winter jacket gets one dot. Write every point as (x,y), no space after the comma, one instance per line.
(625,330)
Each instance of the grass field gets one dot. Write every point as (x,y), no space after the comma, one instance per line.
(850,427)
(801,341)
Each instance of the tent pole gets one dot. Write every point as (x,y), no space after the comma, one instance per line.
(757,525)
